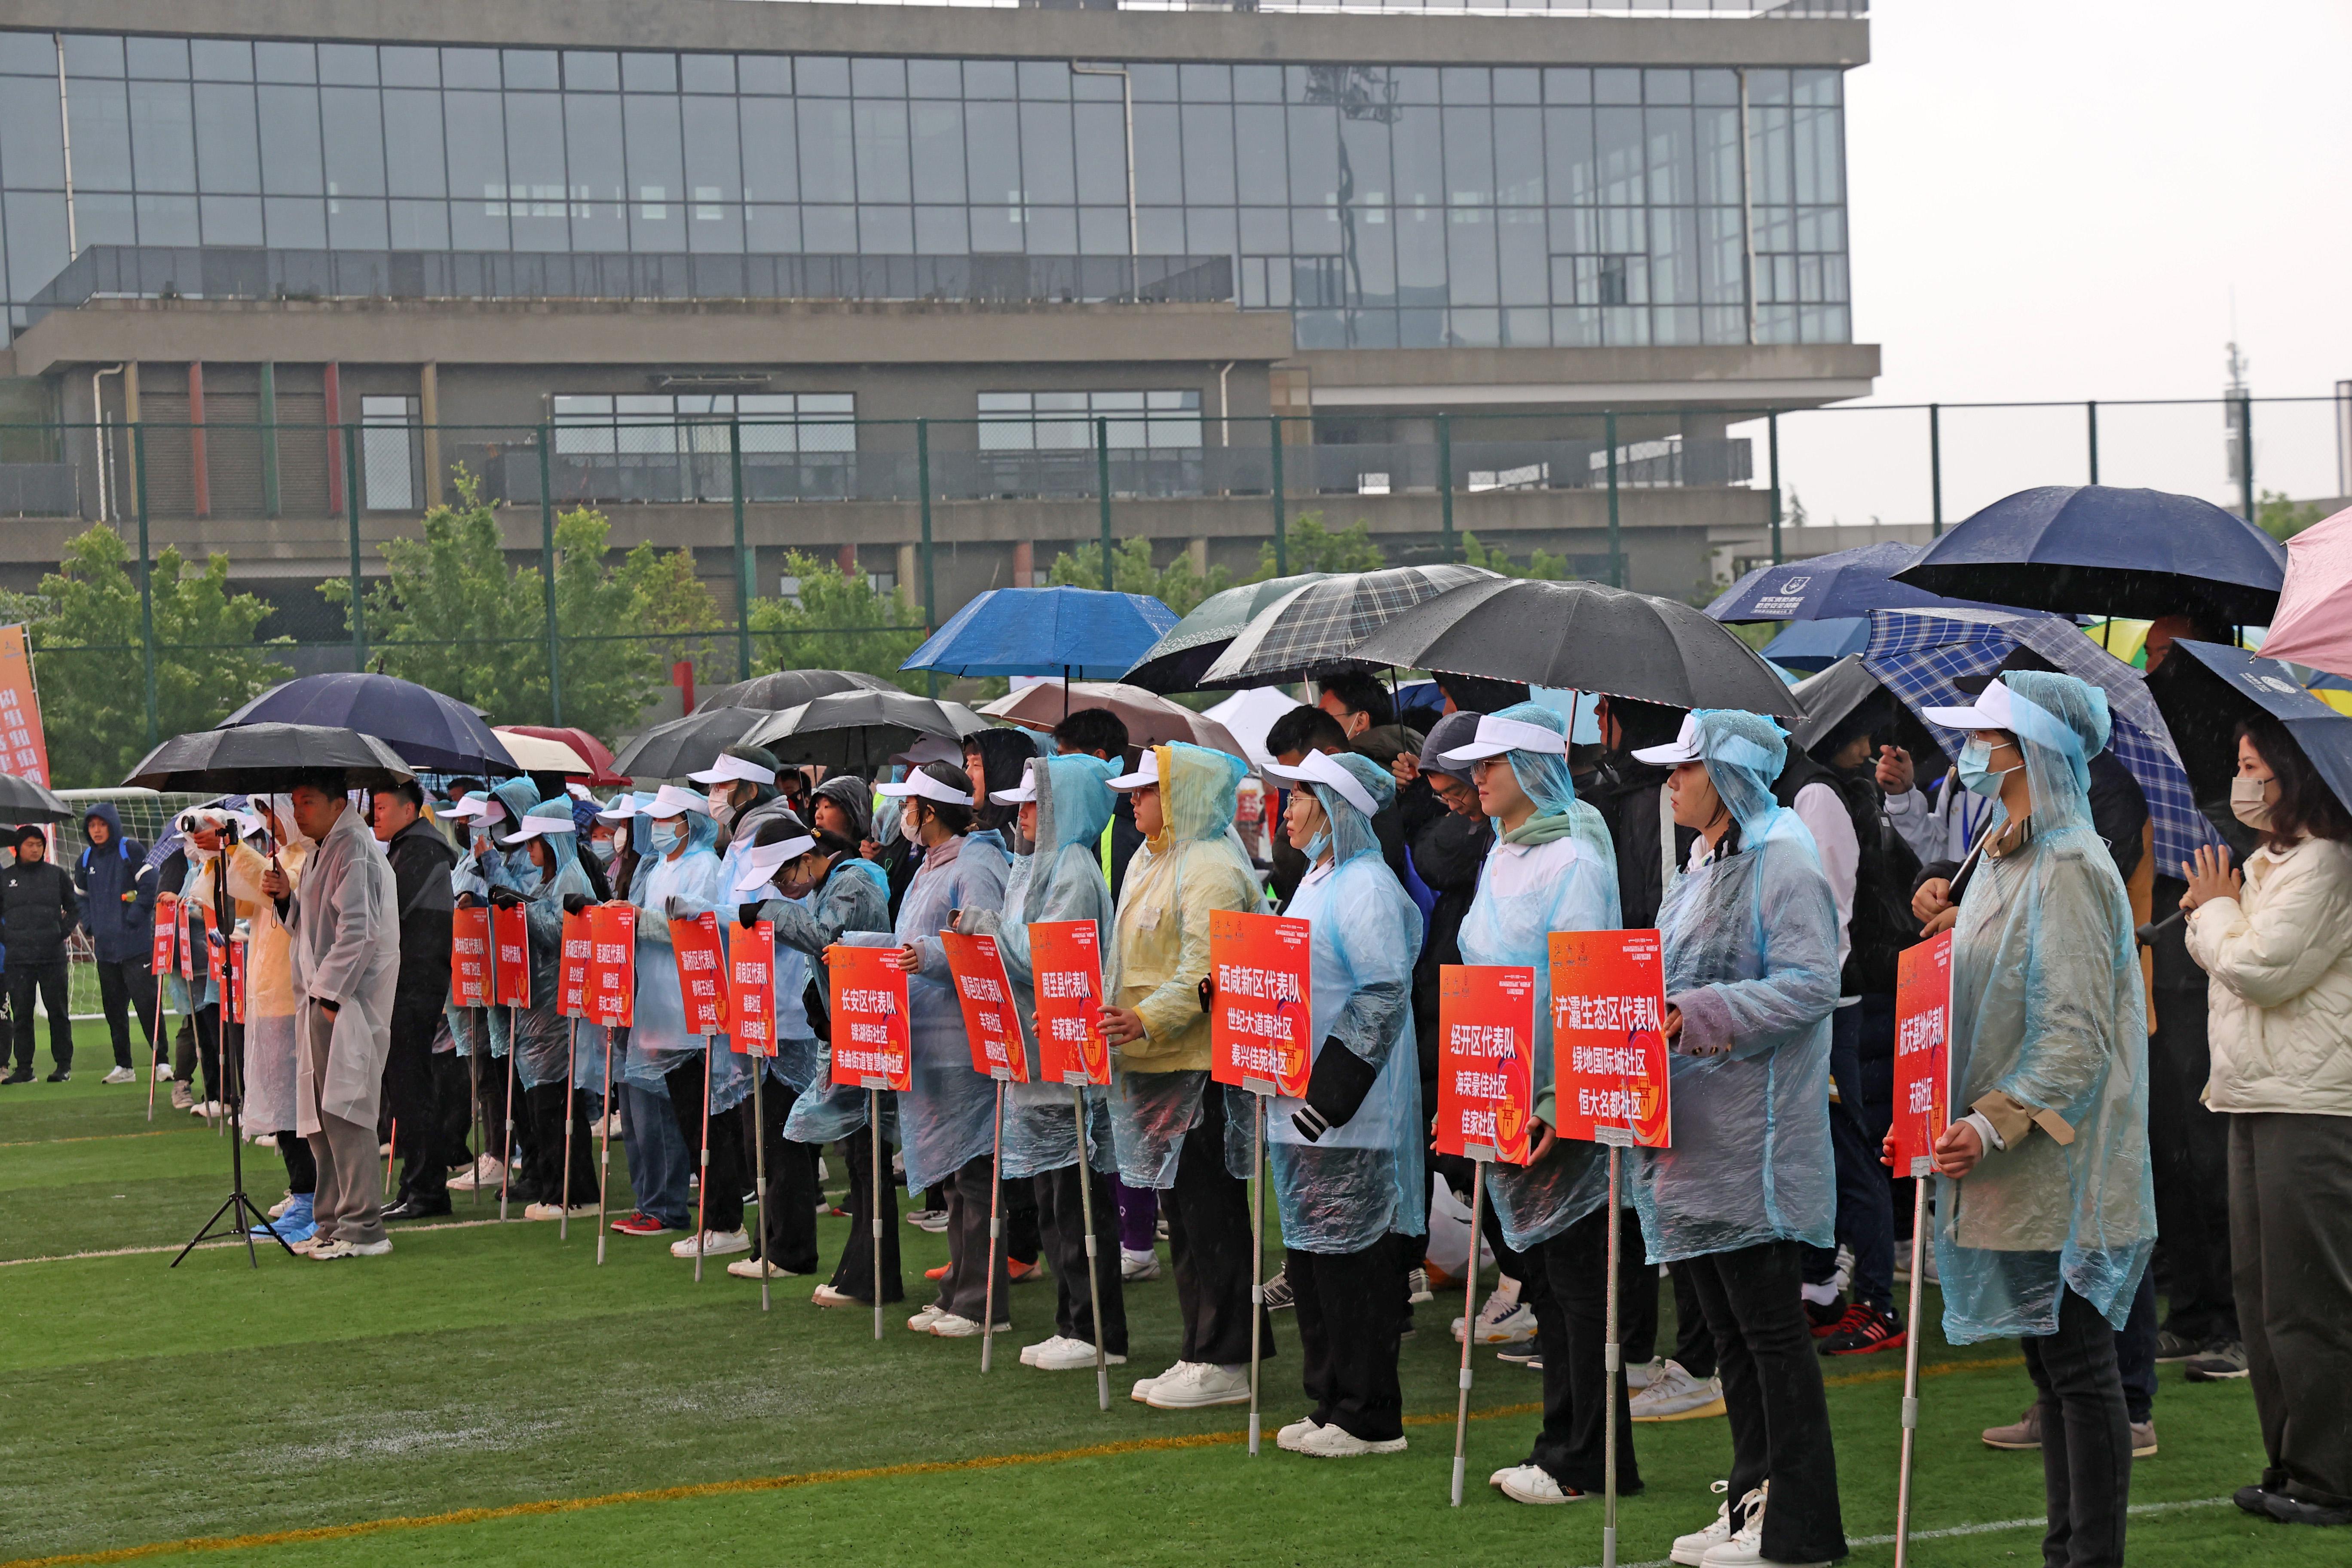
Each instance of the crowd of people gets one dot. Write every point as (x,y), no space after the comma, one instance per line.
(1785,881)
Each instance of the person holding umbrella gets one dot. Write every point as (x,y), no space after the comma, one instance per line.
(2278,940)
(271,1053)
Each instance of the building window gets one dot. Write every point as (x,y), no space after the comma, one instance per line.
(1064,421)
(388,453)
(665,446)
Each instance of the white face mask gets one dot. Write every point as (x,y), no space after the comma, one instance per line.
(2250,801)
(722,803)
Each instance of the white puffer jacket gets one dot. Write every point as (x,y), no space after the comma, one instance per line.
(2281,959)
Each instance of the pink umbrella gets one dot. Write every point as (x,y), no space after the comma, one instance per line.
(1150,718)
(2314,623)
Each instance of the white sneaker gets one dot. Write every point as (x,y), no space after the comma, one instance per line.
(1290,1436)
(1137,1265)
(1674,1394)
(487,1174)
(1416,1287)
(922,1321)
(1142,1392)
(1195,1384)
(1690,1549)
(1531,1484)
(163,1072)
(369,1248)
(1029,1353)
(714,1244)
(611,1128)
(1071,1355)
(278,1210)
(757,1267)
(1338,1443)
(932,1220)
(826,1296)
(1641,1377)
(1505,1323)
(542,1211)
(1746,1547)
(205,1109)
(330,1251)
(121,1075)
(953,1326)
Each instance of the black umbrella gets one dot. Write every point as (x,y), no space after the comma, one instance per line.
(854,729)
(1185,650)
(1830,696)
(2204,696)
(686,746)
(1582,637)
(2105,550)
(429,729)
(22,800)
(257,757)
(781,689)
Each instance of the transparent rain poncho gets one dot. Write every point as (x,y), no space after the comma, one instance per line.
(1062,881)
(544,1034)
(948,1119)
(1159,952)
(695,881)
(1364,1178)
(1558,877)
(853,897)
(1752,960)
(269,1048)
(2048,1008)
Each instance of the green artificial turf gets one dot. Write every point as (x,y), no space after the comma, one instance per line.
(488,1367)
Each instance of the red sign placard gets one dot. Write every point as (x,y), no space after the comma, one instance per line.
(239,963)
(1608,1040)
(1923,1014)
(167,931)
(469,957)
(1486,1057)
(701,973)
(872,1047)
(572,969)
(1065,965)
(612,964)
(192,939)
(751,989)
(1259,1020)
(215,960)
(510,969)
(986,995)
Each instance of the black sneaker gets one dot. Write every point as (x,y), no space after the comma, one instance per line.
(2218,1362)
(60,1075)
(21,1075)
(1864,1329)
(1276,1292)
(2171,1347)
(1826,1320)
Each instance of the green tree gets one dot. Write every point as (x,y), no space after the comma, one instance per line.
(1176,584)
(1312,547)
(838,622)
(94,703)
(1542,563)
(2282,517)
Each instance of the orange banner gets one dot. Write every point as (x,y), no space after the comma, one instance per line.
(872,1046)
(1259,1018)
(751,989)
(985,995)
(612,964)
(24,749)
(469,957)
(1608,1041)
(511,972)
(1923,1012)
(571,970)
(1065,965)
(167,931)
(1486,1042)
(701,973)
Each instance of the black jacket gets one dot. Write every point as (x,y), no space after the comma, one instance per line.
(1447,855)
(1883,924)
(37,909)
(421,862)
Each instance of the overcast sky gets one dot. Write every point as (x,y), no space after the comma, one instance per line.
(2055,199)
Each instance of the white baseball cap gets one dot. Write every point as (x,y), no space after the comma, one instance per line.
(486,809)
(1022,793)
(1497,736)
(1323,768)
(923,786)
(730,770)
(1683,748)
(623,806)
(763,862)
(1145,776)
(1990,711)
(538,826)
(671,801)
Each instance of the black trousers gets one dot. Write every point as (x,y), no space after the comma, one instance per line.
(1023,1236)
(51,980)
(201,1029)
(453,1098)
(726,1174)
(964,1291)
(549,1105)
(788,1205)
(411,1098)
(495,1073)
(1571,1335)
(854,1277)
(1209,1246)
(1773,1392)
(1062,1224)
(2086,1460)
(123,986)
(1347,1328)
(2290,1242)
(2188,1148)
(301,1165)
(1858,1123)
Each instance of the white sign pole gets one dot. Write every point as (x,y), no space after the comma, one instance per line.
(1469,1327)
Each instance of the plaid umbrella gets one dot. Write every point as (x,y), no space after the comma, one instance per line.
(1323,622)
(1921,654)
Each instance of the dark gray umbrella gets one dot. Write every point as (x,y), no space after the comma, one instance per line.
(1585,637)
(419,723)
(22,800)
(1185,650)
(1834,693)
(257,757)
(781,689)
(686,745)
(856,729)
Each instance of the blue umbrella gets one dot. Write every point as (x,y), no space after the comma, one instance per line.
(2106,550)
(1842,585)
(1085,634)
(1815,645)
(2204,700)
(429,731)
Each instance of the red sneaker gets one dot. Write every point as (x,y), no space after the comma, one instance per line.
(939,1273)
(1863,1330)
(640,1224)
(1017,1270)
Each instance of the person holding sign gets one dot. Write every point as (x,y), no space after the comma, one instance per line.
(189,989)
(682,878)
(947,1120)
(1751,974)
(1169,1132)
(543,875)
(1552,869)
(1065,804)
(2045,1213)
(1347,1156)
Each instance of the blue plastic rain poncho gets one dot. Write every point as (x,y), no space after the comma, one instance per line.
(1362,1178)
(2048,1032)
(544,1034)
(691,883)
(1550,874)
(1750,936)
(853,897)
(187,997)
(1158,954)
(948,1119)
(1061,880)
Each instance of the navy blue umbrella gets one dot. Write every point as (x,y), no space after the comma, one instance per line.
(2105,550)
(429,731)
(1085,634)
(1817,645)
(2204,700)
(1844,584)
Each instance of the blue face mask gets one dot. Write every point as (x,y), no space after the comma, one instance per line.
(1316,845)
(1977,774)
(603,850)
(669,837)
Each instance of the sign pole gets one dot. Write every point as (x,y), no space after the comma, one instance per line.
(605,1134)
(874,1198)
(1257,1263)
(1611,1359)
(995,1227)
(1094,1270)
(1921,1172)
(1469,1326)
(702,1181)
(571,1119)
(506,1150)
(152,1055)
(759,1165)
